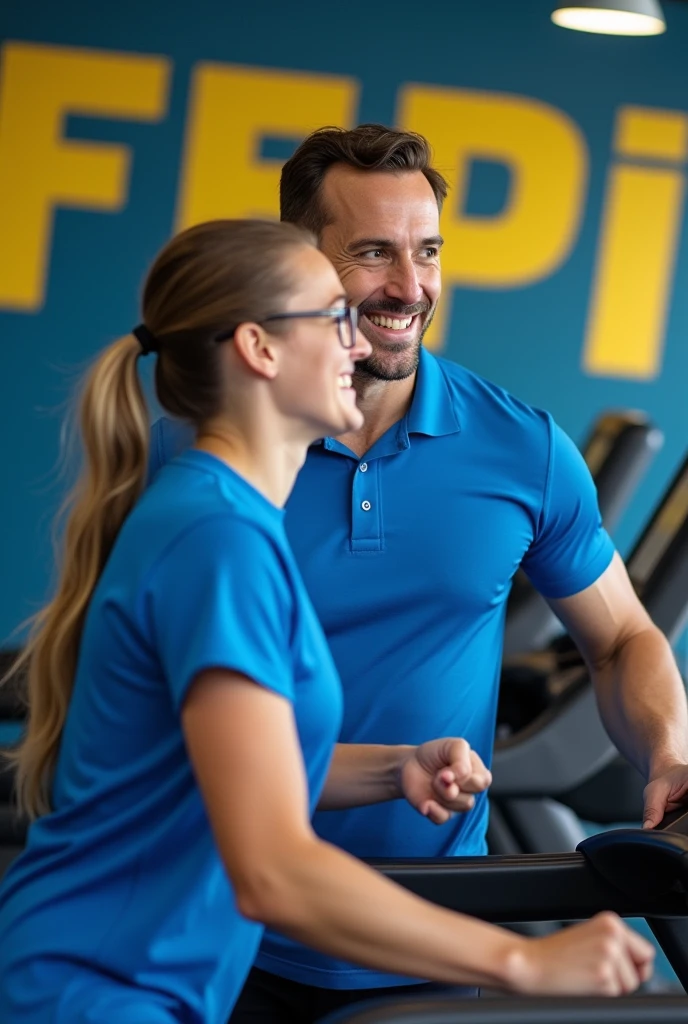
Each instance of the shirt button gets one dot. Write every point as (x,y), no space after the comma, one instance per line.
(363,467)
(365,505)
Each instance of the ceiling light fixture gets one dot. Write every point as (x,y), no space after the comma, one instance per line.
(612,17)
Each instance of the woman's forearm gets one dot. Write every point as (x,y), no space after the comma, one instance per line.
(325,898)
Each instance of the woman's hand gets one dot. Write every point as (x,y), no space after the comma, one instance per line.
(440,778)
(602,956)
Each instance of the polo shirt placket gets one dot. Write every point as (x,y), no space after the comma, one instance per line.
(367,524)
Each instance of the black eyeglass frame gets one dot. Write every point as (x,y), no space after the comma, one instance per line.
(341,314)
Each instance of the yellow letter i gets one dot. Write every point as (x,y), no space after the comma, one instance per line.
(638,244)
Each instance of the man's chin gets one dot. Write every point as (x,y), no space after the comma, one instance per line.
(389,366)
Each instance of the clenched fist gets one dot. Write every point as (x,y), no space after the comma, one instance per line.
(440,778)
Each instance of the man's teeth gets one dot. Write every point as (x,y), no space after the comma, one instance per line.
(388,321)
(345,380)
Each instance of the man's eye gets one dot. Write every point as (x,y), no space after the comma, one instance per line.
(431,251)
(373,253)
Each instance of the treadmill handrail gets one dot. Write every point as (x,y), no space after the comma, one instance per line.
(635,872)
(667,845)
(445,1009)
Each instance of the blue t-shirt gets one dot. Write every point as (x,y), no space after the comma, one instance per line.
(119,909)
(408,555)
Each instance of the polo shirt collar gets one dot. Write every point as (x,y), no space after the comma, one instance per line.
(433,407)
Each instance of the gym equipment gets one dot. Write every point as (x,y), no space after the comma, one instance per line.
(634,872)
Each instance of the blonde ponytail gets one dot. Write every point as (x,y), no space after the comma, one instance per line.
(203,283)
(115,431)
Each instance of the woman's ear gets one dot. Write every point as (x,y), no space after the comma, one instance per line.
(258,350)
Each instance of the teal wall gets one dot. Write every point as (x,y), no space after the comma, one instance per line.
(527,336)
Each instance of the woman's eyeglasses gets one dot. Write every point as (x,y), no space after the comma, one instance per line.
(346,318)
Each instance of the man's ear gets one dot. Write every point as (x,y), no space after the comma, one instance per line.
(257,349)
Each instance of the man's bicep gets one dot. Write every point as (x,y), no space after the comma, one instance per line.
(571,549)
(604,614)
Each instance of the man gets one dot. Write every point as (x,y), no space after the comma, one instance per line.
(408,533)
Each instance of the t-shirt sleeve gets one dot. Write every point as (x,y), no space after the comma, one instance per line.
(571,548)
(221,598)
(168,438)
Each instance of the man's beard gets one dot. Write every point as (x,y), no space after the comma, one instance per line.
(375,365)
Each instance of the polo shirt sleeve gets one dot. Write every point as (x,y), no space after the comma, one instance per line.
(221,598)
(571,548)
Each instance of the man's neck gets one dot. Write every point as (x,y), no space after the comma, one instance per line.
(383,403)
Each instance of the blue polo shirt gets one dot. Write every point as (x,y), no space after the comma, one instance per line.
(408,555)
(119,909)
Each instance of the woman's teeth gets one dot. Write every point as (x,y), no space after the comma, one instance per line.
(345,380)
(389,322)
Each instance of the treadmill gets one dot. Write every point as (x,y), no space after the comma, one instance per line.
(618,451)
(548,774)
(634,872)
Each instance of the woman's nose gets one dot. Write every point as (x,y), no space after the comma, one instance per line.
(362,348)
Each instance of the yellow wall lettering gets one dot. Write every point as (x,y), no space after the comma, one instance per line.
(230,110)
(638,247)
(546,155)
(651,134)
(39,169)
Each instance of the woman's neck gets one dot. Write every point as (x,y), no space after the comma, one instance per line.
(269,464)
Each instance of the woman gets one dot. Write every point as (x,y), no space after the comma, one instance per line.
(184,705)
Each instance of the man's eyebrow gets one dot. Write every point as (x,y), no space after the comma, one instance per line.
(388,243)
(434,240)
(371,243)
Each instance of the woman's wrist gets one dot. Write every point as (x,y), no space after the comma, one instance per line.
(515,965)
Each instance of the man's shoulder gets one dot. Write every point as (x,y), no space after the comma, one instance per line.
(168,438)
(487,402)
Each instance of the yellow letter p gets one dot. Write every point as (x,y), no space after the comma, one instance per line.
(547,157)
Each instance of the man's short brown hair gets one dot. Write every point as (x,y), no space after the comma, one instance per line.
(369,147)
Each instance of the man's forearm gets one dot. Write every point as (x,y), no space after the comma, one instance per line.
(642,701)
(363,773)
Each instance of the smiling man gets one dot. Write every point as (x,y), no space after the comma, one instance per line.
(408,533)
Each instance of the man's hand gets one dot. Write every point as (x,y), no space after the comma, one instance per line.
(666,791)
(439,778)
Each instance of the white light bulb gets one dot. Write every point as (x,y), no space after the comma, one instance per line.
(608,22)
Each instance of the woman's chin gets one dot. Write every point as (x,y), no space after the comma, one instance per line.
(355,420)
(348,420)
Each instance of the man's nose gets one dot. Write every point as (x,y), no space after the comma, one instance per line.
(403,282)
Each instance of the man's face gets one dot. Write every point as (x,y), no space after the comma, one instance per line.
(383,238)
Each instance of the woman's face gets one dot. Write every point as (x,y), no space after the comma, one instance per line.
(314,380)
